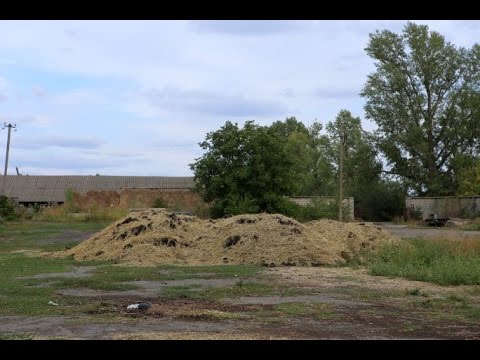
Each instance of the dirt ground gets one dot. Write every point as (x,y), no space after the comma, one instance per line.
(328,303)
(355,306)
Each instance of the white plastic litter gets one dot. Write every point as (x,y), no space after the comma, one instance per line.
(140,306)
(52,303)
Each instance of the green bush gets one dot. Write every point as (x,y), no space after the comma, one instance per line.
(160,203)
(7,209)
(237,205)
(380,201)
(319,208)
(69,201)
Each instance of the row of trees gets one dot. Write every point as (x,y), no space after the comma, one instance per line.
(425,99)
(251,169)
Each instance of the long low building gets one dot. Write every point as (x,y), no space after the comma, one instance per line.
(50,189)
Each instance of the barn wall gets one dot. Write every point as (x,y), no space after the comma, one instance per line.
(178,199)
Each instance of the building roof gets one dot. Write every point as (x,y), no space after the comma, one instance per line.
(46,188)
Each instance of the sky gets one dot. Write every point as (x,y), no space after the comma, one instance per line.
(136,97)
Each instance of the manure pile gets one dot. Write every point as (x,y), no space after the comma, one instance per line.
(157,237)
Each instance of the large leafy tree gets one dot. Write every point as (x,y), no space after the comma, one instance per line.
(250,169)
(425,98)
(299,145)
(469,179)
(361,165)
(375,198)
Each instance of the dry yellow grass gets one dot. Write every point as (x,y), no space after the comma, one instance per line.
(156,237)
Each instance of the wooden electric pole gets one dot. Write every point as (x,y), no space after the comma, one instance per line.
(9,126)
(340,202)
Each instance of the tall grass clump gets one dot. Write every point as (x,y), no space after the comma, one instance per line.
(442,261)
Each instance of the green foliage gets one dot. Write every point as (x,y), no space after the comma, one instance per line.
(43,235)
(7,208)
(69,200)
(241,205)
(413,292)
(160,203)
(425,98)
(441,262)
(201,211)
(379,201)
(375,198)
(360,162)
(474,226)
(17,297)
(302,147)
(469,180)
(249,169)
(416,214)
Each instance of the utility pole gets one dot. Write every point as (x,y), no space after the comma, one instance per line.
(9,126)
(340,203)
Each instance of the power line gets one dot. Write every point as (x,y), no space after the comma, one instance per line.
(9,126)
(340,203)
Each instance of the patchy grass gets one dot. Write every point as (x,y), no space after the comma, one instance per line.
(30,296)
(409,327)
(42,235)
(113,277)
(311,310)
(177,272)
(219,315)
(451,307)
(118,273)
(474,226)
(16,336)
(23,296)
(17,297)
(124,273)
(241,288)
(415,292)
(280,312)
(100,307)
(444,262)
(180,292)
(362,293)
(95,282)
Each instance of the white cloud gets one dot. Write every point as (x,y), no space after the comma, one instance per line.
(58,141)
(247,27)
(36,120)
(3,83)
(210,103)
(152,89)
(39,92)
(81,97)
